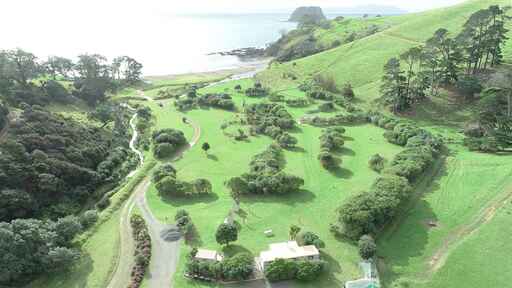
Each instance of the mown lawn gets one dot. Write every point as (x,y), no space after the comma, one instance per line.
(313,208)
(463,188)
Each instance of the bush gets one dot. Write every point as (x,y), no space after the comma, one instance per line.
(309,270)
(168,141)
(142,252)
(257,91)
(376,163)
(310,238)
(367,247)
(326,82)
(348,92)
(286,140)
(280,270)
(202,186)
(238,267)
(89,218)
(266,176)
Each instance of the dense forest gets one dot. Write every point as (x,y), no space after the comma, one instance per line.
(53,168)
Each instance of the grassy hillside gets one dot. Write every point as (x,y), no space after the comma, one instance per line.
(361,62)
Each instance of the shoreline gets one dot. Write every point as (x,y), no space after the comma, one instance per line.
(248,70)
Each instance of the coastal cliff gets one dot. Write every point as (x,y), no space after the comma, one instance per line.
(303,14)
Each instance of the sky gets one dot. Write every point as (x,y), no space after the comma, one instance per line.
(139,28)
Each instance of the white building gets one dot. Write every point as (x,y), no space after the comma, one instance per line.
(287,250)
(208,255)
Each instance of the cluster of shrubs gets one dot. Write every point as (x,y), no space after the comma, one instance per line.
(185,224)
(336,120)
(330,141)
(483,144)
(236,268)
(275,97)
(266,175)
(168,141)
(298,102)
(369,211)
(257,91)
(309,238)
(221,101)
(142,250)
(283,269)
(167,184)
(272,120)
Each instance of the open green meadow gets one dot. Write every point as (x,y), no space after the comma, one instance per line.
(313,208)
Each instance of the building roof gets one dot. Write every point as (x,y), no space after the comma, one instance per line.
(204,254)
(288,250)
(361,283)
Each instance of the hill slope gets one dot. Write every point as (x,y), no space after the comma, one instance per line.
(361,62)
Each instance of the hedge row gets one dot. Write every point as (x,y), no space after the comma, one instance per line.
(237,268)
(282,269)
(369,211)
(142,250)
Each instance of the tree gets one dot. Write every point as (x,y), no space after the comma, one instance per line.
(58,66)
(67,228)
(92,66)
(226,233)
(367,247)
(20,66)
(394,86)
(104,113)
(348,91)
(294,230)
(206,147)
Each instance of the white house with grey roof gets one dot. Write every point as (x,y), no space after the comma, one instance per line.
(287,250)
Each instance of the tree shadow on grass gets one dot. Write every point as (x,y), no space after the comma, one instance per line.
(212,157)
(291,199)
(194,239)
(190,200)
(341,172)
(296,149)
(399,244)
(233,249)
(348,138)
(345,151)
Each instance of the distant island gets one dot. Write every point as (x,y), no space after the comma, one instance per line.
(303,14)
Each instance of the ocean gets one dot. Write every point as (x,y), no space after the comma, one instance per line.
(164,43)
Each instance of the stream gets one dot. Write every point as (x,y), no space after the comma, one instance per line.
(133,141)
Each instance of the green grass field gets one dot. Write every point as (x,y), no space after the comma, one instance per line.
(313,208)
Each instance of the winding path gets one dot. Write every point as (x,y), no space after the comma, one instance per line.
(165,254)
